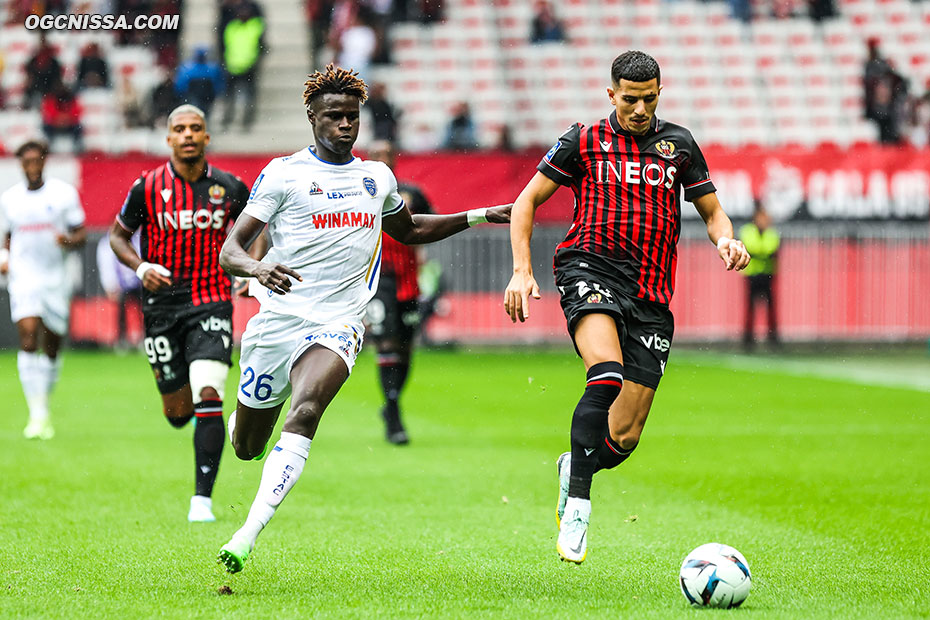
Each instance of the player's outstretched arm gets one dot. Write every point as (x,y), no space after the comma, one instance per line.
(720,230)
(522,284)
(154,277)
(236,261)
(422,228)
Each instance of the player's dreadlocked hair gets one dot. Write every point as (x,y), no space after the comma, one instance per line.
(334,80)
(635,66)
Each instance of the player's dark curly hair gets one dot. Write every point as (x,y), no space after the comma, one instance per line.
(334,80)
(37,145)
(635,66)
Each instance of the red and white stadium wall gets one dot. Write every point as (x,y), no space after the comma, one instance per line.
(845,287)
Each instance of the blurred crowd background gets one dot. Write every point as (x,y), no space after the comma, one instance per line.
(816,112)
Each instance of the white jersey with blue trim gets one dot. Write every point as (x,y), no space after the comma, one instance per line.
(325,224)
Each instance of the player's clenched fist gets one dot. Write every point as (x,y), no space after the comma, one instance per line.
(499,214)
(733,253)
(517,296)
(274,277)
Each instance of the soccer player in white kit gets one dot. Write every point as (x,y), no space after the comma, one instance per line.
(325,209)
(40,221)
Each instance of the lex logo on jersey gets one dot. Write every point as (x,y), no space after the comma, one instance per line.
(370,186)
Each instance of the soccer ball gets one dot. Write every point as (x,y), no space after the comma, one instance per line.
(715,575)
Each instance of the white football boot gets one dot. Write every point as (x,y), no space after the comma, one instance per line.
(573,531)
(39,429)
(201,510)
(564,467)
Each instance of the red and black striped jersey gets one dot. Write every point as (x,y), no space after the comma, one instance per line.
(398,260)
(183,226)
(627,198)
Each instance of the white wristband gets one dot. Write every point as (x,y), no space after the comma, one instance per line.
(723,242)
(476,216)
(143,267)
(4,255)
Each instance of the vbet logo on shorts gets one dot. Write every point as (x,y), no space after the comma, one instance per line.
(96,21)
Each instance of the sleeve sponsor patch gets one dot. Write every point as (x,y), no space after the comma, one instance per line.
(255,185)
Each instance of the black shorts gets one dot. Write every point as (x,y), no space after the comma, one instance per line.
(645,328)
(175,336)
(389,318)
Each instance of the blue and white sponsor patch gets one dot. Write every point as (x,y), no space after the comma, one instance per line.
(552,151)
(370,186)
(255,185)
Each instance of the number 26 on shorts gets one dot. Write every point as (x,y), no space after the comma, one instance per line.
(262,389)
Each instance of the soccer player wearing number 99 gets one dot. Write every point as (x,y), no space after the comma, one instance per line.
(325,209)
(184,209)
(615,270)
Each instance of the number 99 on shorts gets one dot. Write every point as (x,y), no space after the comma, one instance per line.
(158,349)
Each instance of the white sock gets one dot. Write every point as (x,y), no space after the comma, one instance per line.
(33,380)
(283,467)
(49,370)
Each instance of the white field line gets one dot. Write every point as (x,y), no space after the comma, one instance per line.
(859,371)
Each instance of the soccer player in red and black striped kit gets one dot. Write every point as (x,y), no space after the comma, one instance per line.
(393,315)
(185,208)
(615,269)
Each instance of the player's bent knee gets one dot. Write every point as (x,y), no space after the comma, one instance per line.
(208,374)
(306,414)
(626,438)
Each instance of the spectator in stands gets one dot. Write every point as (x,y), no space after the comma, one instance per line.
(357,43)
(820,10)
(546,26)
(2,92)
(61,115)
(163,100)
(762,242)
(199,81)
(430,11)
(920,119)
(164,40)
(460,132)
(228,10)
(383,115)
(128,101)
(876,68)
(244,41)
(741,10)
(93,71)
(43,73)
(381,22)
(319,16)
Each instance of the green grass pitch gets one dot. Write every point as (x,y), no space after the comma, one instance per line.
(821,482)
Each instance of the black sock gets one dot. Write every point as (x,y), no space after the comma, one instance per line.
(611,454)
(209,437)
(180,422)
(393,369)
(603,386)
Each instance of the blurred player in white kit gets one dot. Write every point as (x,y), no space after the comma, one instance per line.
(40,221)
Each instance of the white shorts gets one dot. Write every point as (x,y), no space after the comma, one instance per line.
(34,297)
(272,343)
